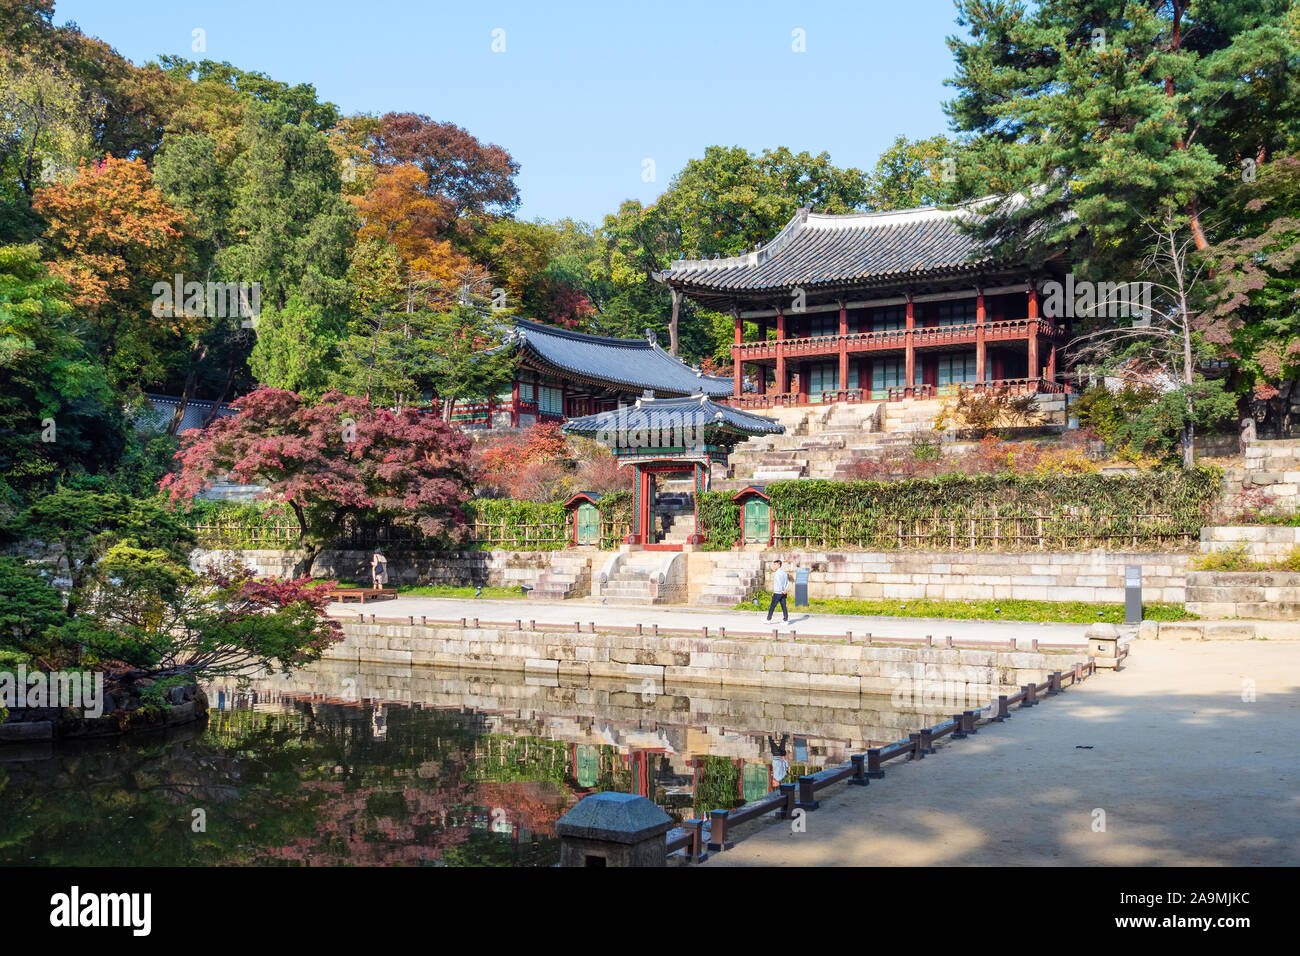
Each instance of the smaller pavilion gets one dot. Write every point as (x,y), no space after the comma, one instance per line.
(666,436)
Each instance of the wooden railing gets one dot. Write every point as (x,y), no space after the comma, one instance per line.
(699,837)
(922,336)
(897,393)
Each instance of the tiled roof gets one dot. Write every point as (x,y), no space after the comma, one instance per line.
(685,413)
(634,364)
(159,415)
(815,249)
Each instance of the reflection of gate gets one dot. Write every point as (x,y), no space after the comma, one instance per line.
(755,784)
(588,524)
(758,521)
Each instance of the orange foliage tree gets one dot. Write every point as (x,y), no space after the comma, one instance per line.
(113,235)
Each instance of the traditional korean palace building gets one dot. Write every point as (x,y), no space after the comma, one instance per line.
(877,306)
(565,374)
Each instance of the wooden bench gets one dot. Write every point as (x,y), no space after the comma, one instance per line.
(343,595)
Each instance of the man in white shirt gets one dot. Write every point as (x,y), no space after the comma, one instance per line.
(780,585)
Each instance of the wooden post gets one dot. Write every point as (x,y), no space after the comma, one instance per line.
(980,351)
(738,370)
(859,778)
(909,363)
(842,382)
(1033,371)
(718,831)
(807,799)
(782,373)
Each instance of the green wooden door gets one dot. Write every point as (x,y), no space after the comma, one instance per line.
(757,521)
(588,524)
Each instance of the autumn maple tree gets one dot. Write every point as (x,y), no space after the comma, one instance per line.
(113,235)
(339,458)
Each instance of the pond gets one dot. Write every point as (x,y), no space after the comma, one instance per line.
(372,764)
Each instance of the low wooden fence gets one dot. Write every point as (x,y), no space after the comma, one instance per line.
(699,837)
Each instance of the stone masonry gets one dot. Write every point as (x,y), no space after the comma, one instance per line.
(806,665)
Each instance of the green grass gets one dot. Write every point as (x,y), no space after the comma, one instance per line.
(451,591)
(1064,612)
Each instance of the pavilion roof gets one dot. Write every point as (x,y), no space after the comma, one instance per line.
(698,411)
(816,251)
(630,364)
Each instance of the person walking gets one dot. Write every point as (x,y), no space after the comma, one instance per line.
(780,585)
(378,570)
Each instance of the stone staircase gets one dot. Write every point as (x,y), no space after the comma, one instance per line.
(825,441)
(733,581)
(569,576)
(637,579)
(910,415)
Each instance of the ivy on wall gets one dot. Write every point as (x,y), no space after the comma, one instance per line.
(997,512)
(720,518)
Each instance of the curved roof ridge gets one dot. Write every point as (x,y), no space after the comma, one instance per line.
(575,335)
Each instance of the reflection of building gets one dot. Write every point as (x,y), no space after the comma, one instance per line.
(564,374)
(876,306)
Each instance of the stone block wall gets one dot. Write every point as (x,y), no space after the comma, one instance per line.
(1271,474)
(968,576)
(457,568)
(1265,595)
(758,662)
(1260,542)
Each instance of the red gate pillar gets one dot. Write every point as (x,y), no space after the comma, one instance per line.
(980,351)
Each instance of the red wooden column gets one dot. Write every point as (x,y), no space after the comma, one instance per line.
(514,404)
(1033,369)
(804,378)
(782,374)
(843,382)
(738,373)
(1051,361)
(909,362)
(980,351)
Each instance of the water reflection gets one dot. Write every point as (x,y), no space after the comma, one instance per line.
(390,765)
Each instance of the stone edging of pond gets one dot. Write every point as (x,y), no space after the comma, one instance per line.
(125,711)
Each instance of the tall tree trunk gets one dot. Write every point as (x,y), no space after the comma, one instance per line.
(1179,7)
(191,386)
(672,323)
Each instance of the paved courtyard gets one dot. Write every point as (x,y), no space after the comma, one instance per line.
(1185,770)
(566,612)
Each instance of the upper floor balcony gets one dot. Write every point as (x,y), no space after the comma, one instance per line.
(885,340)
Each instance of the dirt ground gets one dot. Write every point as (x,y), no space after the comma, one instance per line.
(1188,755)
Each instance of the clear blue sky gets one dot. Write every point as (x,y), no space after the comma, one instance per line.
(585,90)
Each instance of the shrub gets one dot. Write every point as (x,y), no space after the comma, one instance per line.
(985,410)
(1005,511)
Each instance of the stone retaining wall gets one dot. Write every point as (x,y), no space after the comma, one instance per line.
(969,576)
(883,575)
(1271,474)
(803,665)
(1262,542)
(1267,595)
(458,568)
